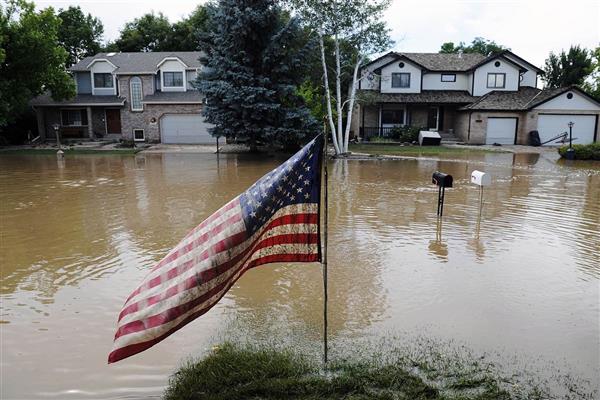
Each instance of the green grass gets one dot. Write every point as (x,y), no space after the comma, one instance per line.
(395,150)
(68,151)
(254,372)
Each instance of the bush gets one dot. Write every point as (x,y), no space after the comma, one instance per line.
(126,144)
(406,133)
(583,151)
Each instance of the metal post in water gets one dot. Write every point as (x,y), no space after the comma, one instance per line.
(324,253)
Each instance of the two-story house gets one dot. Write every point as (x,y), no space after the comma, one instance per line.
(145,97)
(479,99)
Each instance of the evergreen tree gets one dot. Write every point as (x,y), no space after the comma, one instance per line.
(254,63)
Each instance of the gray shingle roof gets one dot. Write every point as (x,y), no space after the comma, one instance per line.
(426,96)
(79,100)
(191,96)
(503,100)
(525,99)
(445,62)
(140,62)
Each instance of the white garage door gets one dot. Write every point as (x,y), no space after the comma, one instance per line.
(501,130)
(185,129)
(551,125)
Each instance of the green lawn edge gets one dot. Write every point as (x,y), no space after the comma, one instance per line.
(234,371)
(383,149)
(68,151)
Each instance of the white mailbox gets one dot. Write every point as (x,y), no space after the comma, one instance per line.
(481,178)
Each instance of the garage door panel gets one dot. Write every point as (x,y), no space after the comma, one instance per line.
(185,129)
(551,125)
(501,130)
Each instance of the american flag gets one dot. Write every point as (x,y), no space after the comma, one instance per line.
(275,220)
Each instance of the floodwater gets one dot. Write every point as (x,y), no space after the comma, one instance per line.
(521,277)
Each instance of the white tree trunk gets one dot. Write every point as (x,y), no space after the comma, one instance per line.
(338,90)
(351,97)
(328,97)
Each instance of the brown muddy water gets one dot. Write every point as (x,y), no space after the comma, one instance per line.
(522,279)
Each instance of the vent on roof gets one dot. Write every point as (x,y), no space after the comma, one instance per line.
(111,54)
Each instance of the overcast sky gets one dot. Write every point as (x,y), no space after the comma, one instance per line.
(531,28)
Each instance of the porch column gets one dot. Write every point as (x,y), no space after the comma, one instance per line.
(89,118)
(41,125)
(379,123)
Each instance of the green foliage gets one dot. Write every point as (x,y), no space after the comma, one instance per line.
(33,60)
(583,151)
(406,133)
(478,45)
(79,34)
(592,83)
(314,100)
(152,32)
(565,69)
(255,57)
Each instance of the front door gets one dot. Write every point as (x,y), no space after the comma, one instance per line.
(113,120)
(432,118)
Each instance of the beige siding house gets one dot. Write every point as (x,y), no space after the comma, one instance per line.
(476,99)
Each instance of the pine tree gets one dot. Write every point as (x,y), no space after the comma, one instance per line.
(254,65)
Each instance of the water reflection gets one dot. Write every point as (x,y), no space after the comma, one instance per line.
(77,237)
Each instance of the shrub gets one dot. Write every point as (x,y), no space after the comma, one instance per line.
(583,151)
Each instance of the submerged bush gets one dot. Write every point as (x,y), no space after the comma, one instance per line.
(583,151)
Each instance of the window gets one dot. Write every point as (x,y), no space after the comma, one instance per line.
(103,80)
(400,80)
(392,117)
(74,118)
(495,80)
(138,135)
(173,79)
(135,90)
(448,77)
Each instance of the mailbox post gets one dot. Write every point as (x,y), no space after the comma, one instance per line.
(442,181)
(480,179)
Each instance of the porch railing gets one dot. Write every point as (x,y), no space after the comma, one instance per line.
(367,132)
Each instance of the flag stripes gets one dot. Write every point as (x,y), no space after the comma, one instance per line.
(275,220)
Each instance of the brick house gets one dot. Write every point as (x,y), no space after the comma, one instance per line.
(145,97)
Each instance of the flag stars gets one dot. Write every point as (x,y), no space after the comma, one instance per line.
(307,196)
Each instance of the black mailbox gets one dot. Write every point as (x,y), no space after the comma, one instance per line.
(441,179)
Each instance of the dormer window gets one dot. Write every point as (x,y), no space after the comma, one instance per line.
(496,81)
(400,80)
(103,80)
(173,79)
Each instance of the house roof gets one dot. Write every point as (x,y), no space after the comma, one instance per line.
(437,61)
(189,97)
(524,99)
(140,63)
(426,96)
(79,100)
(504,100)
(453,62)
(446,62)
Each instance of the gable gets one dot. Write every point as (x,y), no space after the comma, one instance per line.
(577,101)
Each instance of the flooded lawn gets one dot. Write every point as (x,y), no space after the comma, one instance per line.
(521,279)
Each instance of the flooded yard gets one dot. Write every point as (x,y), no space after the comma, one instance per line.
(521,278)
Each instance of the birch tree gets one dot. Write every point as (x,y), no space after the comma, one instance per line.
(358,23)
